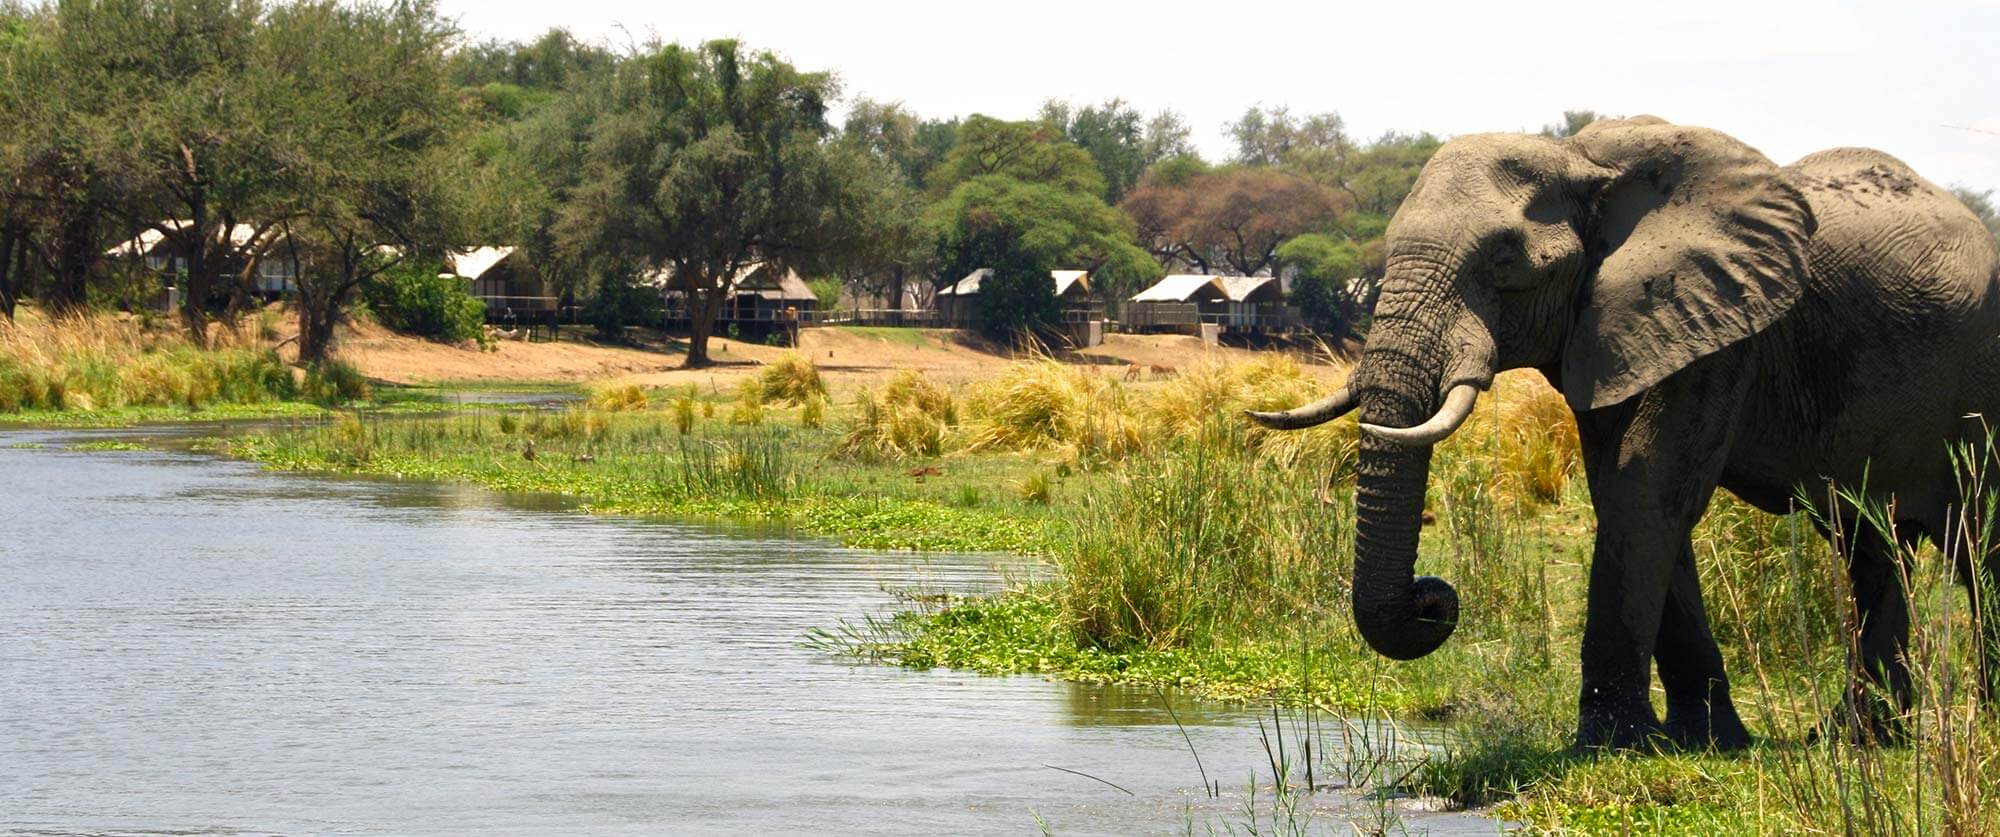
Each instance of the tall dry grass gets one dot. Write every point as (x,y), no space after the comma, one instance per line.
(1044,404)
(907,418)
(791,379)
(102,361)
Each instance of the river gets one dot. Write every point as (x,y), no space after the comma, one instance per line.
(194,646)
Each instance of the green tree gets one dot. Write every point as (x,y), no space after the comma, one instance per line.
(377,127)
(1121,142)
(879,244)
(1032,228)
(891,132)
(1572,122)
(204,122)
(1031,152)
(700,162)
(1230,220)
(1271,136)
(1328,284)
(57,177)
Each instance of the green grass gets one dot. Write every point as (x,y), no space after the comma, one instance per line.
(911,337)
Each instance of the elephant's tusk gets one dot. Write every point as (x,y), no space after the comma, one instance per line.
(1340,403)
(1457,406)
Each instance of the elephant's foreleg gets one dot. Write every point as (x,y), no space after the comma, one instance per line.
(1653,464)
(1700,714)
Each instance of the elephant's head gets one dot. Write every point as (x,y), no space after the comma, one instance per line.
(1608,260)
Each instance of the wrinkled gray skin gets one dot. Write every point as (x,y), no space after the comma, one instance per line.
(1713,320)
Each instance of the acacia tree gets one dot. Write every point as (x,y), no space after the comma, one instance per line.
(205,123)
(1230,220)
(55,181)
(1122,142)
(701,162)
(1024,201)
(379,122)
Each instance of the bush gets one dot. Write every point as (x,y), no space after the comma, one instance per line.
(414,298)
(619,302)
(1016,303)
(334,382)
(749,406)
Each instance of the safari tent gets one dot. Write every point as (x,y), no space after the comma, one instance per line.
(958,303)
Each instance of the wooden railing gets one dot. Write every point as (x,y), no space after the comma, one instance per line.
(496,305)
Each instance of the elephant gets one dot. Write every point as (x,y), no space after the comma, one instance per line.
(1712,320)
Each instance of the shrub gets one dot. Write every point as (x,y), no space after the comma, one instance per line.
(813,414)
(414,298)
(334,382)
(619,301)
(684,411)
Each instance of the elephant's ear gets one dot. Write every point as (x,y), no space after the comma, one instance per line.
(1698,241)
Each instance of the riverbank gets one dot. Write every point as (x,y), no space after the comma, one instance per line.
(1184,548)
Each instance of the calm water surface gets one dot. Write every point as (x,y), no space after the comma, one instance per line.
(190,645)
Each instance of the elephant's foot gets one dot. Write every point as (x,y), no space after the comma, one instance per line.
(1703,727)
(1632,729)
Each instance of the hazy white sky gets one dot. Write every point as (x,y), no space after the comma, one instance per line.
(1787,76)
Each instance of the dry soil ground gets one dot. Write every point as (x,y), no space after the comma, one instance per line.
(848,357)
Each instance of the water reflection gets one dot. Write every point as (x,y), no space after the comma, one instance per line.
(194,645)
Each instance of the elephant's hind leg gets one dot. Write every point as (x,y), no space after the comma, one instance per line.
(1700,715)
(1879,690)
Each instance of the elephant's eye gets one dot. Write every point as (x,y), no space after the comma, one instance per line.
(1507,248)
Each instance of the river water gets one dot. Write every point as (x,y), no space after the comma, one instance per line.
(189,645)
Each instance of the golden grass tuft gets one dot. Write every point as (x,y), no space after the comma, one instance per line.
(909,417)
(791,379)
(618,398)
(1210,397)
(1043,404)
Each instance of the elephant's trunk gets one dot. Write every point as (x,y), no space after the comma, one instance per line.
(1401,616)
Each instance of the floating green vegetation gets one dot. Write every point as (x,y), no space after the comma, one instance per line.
(109,445)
